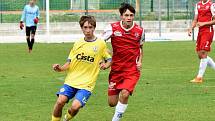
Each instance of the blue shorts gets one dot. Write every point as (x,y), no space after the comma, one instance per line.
(81,95)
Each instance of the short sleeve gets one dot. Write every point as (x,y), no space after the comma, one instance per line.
(213,9)
(107,32)
(69,59)
(23,13)
(196,10)
(38,12)
(106,55)
(71,54)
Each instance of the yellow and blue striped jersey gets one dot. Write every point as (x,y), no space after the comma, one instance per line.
(84,66)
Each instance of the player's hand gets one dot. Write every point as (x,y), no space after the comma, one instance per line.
(21,25)
(139,66)
(36,20)
(103,66)
(190,30)
(56,67)
(200,24)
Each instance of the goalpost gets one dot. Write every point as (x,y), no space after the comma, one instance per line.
(47,21)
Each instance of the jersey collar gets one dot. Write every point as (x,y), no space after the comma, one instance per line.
(93,40)
(125,28)
(205,2)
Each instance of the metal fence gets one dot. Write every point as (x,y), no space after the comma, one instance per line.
(104,10)
(160,20)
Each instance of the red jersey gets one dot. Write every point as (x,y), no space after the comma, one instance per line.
(204,12)
(126,46)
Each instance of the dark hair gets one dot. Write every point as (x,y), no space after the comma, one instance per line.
(91,20)
(124,7)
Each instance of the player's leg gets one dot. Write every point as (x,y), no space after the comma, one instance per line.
(203,64)
(65,93)
(113,100)
(57,113)
(121,105)
(127,86)
(33,31)
(73,110)
(28,30)
(203,47)
(113,93)
(211,62)
(80,100)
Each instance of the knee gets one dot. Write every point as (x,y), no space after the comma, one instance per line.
(125,94)
(75,107)
(112,101)
(60,103)
(112,104)
(32,35)
(202,54)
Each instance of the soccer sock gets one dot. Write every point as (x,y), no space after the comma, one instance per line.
(211,62)
(120,109)
(32,43)
(68,116)
(202,67)
(29,43)
(55,118)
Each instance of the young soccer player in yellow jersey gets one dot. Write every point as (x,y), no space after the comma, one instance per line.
(83,65)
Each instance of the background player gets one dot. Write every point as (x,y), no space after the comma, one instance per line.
(127,41)
(83,68)
(30,15)
(204,12)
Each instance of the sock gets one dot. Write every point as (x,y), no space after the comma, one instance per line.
(202,67)
(29,43)
(211,62)
(68,116)
(120,109)
(32,43)
(55,118)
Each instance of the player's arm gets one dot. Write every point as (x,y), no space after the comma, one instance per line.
(140,59)
(194,22)
(209,23)
(107,59)
(21,25)
(105,64)
(59,68)
(38,13)
(23,14)
(106,35)
(36,20)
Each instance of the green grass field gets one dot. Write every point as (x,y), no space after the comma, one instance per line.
(28,85)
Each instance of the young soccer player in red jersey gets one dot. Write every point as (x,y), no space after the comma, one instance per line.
(127,40)
(204,12)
